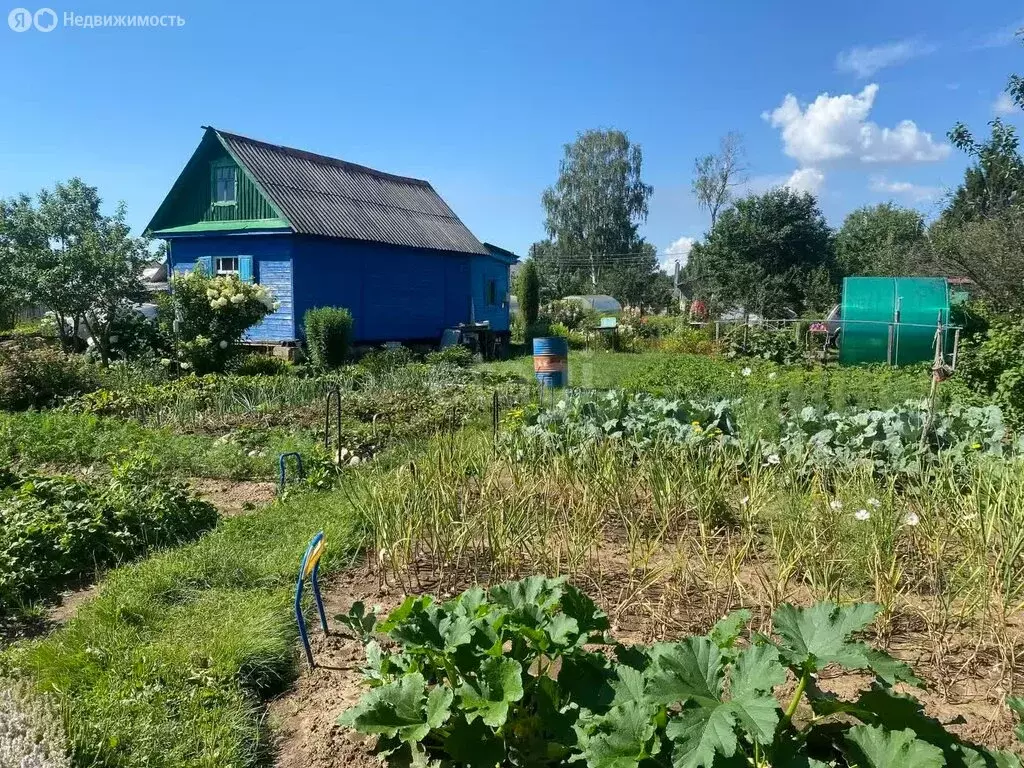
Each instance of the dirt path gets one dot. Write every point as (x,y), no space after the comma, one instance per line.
(234,497)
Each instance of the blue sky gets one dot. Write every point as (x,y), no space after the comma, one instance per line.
(480,97)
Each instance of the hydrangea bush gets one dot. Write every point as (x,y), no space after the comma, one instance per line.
(30,734)
(212,314)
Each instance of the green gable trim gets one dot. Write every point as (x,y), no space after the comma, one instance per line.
(226,226)
(190,201)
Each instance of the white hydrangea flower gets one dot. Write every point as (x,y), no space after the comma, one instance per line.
(773,375)
(90,342)
(862,515)
(746,371)
(237,298)
(165,361)
(185,366)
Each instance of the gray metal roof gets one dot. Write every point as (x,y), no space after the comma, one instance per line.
(324,196)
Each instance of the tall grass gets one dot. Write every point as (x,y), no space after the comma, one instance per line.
(944,550)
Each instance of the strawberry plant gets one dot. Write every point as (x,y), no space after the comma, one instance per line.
(524,674)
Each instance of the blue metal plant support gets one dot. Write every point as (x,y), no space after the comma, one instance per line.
(310,569)
(282,464)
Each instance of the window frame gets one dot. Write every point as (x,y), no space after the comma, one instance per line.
(215,168)
(492,293)
(218,271)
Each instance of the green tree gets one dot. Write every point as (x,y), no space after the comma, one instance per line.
(593,214)
(882,239)
(762,253)
(528,291)
(71,259)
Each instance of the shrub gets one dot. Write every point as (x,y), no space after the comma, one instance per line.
(213,313)
(57,530)
(779,346)
(133,336)
(38,378)
(528,292)
(328,333)
(572,314)
(510,676)
(30,729)
(455,355)
(686,339)
(991,364)
(259,365)
(386,359)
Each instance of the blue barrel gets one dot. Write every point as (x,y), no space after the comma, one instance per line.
(551,361)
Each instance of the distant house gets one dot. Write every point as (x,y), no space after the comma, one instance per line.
(324,232)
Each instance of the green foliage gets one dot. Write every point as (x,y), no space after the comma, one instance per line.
(456,355)
(594,210)
(778,346)
(882,239)
(634,420)
(255,364)
(379,362)
(169,664)
(991,364)
(328,333)
(212,314)
(68,257)
(528,291)
(761,252)
(570,313)
(41,377)
(57,530)
(891,440)
(472,682)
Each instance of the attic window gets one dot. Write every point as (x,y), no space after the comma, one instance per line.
(224,183)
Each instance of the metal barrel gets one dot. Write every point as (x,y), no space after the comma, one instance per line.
(551,361)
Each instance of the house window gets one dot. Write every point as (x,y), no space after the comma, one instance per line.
(492,293)
(224,182)
(226,265)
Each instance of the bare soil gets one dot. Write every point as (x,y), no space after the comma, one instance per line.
(967,684)
(234,497)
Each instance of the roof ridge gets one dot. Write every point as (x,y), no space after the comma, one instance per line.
(323,159)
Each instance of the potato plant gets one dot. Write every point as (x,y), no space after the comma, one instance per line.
(525,674)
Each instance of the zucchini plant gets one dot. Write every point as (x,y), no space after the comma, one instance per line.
(524,674)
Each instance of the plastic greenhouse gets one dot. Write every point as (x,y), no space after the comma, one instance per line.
(893,319)
(598,302)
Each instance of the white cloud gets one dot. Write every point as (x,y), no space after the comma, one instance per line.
(678,251)
(904,189)
(806,180)
(865,61)
(834,129)
(1004,105)
(1001,37)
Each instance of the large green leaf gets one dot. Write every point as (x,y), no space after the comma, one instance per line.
(871,746)
(814,637)
(621,738)
(402,709)
(1017,706)
(577,605)
(586,680)
(498,684)
(727,630)
(473,744)
(699,733)
(690,670)
(531,592)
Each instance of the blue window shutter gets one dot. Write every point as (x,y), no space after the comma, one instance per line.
(207,264)
(245,269)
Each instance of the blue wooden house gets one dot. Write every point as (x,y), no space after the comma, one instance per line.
(323,232)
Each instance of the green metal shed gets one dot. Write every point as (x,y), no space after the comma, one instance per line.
(892,319)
